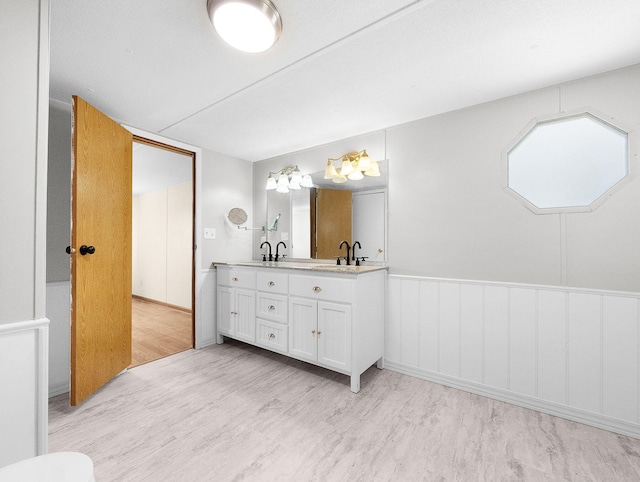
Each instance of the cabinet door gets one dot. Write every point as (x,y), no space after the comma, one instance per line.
(226,310)
(245,308)
(303,327)
(334,335)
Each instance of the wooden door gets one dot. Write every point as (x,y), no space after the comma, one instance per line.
(333,222)
(100,281)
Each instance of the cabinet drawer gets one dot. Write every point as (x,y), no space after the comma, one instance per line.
(237,278)
(272,336)
(321,288)
(272,307)
(273,282)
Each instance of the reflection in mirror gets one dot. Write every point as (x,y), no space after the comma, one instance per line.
(297,222)
(273,225)
(301,223)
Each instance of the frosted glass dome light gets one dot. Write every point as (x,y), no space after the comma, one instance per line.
(249,25)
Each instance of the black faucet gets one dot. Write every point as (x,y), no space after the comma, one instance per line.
(348,258)
(277,246)
(264,256)
(353,256)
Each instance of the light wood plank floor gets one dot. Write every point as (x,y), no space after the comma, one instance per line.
(234,412)
(158,331)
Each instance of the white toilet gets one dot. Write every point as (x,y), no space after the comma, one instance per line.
(55,467)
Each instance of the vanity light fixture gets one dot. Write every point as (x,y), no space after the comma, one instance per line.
(249,25)
(288,178)
(353,165)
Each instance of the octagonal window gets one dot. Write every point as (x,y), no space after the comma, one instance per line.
(567,163)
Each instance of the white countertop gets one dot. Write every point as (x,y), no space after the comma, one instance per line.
(307,266)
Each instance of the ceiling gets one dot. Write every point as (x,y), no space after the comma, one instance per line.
(340,69)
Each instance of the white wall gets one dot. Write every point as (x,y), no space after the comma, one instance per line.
(226,183)
(59,192)
(162,244)
(449,216)
(24,94)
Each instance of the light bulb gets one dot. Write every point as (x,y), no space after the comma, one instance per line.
(249,25)
(330,171)
(346,167)
(306,181)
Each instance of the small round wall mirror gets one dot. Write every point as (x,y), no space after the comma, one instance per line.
(237,216)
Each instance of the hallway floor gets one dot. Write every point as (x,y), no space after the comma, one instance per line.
(158,331)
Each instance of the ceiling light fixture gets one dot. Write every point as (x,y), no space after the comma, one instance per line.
(288,178)
(249,25)
(353,165)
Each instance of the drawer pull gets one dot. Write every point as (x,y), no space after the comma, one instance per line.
(271,283)
(272,335)
(234,312)
(272,308)
(234,279)
(317,289)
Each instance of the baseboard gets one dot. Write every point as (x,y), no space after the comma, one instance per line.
(551,408)
(59,389)
(207,343)
(162,303)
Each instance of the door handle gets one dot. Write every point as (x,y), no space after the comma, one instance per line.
(84,249)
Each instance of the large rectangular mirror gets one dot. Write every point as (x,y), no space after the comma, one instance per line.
(312,222)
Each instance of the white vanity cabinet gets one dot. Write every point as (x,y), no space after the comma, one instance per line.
(237,304)
(330,318)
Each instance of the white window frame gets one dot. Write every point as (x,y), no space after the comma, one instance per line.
(557,117)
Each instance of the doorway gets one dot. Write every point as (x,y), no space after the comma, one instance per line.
(163,317)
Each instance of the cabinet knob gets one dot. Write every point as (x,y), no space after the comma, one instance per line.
(272,308)
(319,333)
(271,283)
(234,279)
(317,289)
(313,332)
(271,335)
(234,312)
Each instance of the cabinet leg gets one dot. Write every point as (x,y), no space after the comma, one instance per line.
(355,383)
(220,339)
(380,363)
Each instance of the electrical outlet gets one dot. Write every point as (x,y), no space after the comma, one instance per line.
(284,236)
(209,233)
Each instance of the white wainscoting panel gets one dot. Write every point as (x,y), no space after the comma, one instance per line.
(59,312)
(23,381)
(569,352)
(206,309)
